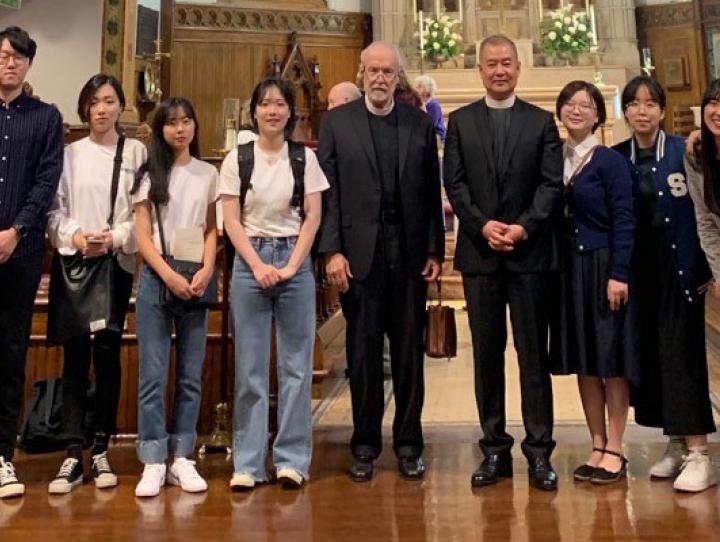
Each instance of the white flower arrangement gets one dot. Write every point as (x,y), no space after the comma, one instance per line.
(565,31)
(439,39)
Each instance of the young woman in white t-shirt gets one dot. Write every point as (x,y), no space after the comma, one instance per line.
(184,189)
(78,222)
(272,279)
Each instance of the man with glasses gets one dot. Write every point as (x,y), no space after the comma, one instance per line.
(503,175)
(31,154)
(383,242)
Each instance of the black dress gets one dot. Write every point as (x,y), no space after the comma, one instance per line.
(587,338)
(673,389)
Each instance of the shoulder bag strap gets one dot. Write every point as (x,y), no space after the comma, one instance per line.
(588,156)
(161,231)
(117,164)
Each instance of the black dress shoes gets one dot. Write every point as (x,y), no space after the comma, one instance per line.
(411,468)
(493,467)
(361,469)
(541,474)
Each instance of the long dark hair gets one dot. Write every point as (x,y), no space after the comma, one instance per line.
(708,152)
(160,155)
(287,94)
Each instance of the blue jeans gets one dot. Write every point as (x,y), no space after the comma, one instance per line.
(292,304)
(154,325)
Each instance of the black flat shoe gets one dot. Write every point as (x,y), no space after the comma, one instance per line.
(584,472)
(361,469)
(604,476)
(411,468)
(541,474)
(492,468)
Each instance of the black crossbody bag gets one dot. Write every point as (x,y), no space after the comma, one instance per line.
(81,298)
(187,270)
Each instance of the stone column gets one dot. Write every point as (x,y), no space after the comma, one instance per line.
(393,22)
(617,33)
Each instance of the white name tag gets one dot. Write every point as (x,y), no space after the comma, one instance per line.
(97,325)
(189,244)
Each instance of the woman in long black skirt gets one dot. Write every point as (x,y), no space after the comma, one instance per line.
(672,274)
(594,334)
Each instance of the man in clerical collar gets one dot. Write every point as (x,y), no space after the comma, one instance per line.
(31,155)
(503,173)
(383,241)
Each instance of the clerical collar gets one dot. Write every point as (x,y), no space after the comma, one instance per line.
(507,103)
(380,111)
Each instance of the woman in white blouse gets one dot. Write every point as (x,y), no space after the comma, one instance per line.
(79,223)
(182,188)
(272,231)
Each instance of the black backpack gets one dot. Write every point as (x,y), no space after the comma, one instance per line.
(246,163)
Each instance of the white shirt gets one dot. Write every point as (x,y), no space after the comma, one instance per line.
(507,103)
(192,188)
(573,156)
(267,211)
(82,202)
(380,111)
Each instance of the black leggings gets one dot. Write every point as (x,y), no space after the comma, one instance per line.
(104,352)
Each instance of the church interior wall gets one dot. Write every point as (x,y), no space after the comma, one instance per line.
(68,35)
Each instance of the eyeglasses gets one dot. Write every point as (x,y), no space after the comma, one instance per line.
(650,105)
(584,107)
(375,73)
(17,57)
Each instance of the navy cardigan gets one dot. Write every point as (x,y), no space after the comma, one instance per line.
(600,204)
(677,208)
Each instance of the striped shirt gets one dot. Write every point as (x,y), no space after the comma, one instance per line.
(31,156)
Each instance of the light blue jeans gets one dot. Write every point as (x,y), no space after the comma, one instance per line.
(292,305)
(154,332)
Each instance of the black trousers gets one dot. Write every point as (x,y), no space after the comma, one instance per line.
(19,279)
(104,353)
(390,301)
(527,295)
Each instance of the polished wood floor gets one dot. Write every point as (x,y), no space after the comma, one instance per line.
(332,508)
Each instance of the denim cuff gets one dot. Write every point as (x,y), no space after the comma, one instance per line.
(152,451)
(182,445)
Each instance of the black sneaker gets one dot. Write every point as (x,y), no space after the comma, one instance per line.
(102,472)
(9,484)
(69,476)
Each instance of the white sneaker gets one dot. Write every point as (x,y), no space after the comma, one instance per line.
(153,478)
(697,474)
(671,462)
(184,474)
(242,481)
(9,484)
(290,478)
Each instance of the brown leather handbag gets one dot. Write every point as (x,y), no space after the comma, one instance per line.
(440,332)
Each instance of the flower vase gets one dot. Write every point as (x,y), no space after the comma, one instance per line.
(438,60)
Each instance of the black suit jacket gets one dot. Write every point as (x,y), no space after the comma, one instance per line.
(525,189)
(351,207)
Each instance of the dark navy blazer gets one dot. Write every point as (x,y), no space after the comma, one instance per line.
(600,203)
(677,209)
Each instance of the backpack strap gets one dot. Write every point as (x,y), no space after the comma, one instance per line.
(246,163)
(297,163)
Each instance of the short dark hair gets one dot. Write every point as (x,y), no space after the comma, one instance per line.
(653,87)
(20,41)
(91,87)
(573,87)
(498,39)
(287,93)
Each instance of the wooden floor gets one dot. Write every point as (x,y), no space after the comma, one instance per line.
(331,507)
